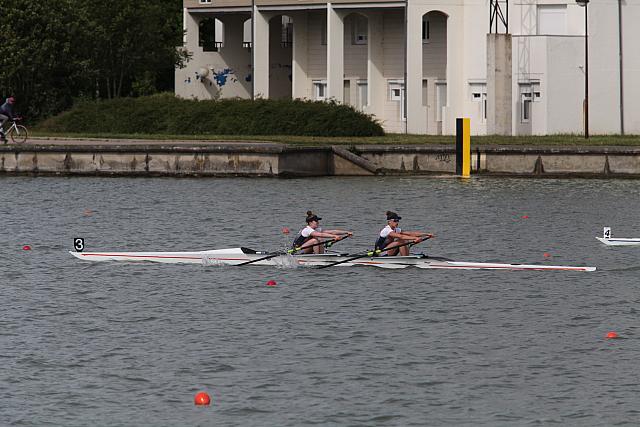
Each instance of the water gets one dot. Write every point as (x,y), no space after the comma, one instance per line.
(116,344)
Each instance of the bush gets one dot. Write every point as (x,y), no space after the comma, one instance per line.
(164,114)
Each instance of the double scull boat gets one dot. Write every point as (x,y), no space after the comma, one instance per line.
(237,256)
(608,239)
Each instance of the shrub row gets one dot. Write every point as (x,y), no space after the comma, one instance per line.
(165,114)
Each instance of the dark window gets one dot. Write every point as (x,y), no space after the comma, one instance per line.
(207,35)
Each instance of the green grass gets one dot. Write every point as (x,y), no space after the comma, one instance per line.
(389,139)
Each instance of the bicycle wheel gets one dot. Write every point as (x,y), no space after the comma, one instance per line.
(19,135)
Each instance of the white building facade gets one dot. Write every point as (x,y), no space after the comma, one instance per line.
(418,65)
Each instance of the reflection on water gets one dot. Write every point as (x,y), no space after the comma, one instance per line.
(130,344)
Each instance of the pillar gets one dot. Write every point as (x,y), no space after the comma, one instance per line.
(376,84)
(335,54)
(499,84)
(301,87)
(260,51)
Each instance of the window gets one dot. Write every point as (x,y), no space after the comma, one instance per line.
(441,100)
(426,30)
(320,90)
(246,34)
(359,30)
(210,34)
(363,96)
(287,32)
(479,96)
(529,93)
(552,19)
(205,2)
(396,93)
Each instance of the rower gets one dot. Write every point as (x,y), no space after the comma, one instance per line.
(312,233)
(392,236)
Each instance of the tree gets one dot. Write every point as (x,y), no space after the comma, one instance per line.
(55,51)
(38,61)
(133,42)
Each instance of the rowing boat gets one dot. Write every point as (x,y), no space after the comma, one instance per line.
(608,239)
(236,256)
(619,241)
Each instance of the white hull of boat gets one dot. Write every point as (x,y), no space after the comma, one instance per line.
(616,241)
(235,256)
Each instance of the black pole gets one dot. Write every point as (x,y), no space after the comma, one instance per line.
(459,139)
(586,71)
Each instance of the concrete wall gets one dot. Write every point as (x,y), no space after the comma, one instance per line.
(247,159)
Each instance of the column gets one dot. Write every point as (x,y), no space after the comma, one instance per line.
(499,84)
(301,87)
(190,25)
(416,114)
(456,85)
(260,50)
(376,85)
(335,54)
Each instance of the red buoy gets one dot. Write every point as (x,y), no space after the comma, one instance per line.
(285,230)
(202,398)
(547,255)
(271,283)
(612,335)
(26,248)
(525,217)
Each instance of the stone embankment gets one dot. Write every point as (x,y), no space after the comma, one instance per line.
(206,158)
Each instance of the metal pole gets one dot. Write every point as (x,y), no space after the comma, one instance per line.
(586,71)
(621,69)
(507,18)
(405,117)
(253,49)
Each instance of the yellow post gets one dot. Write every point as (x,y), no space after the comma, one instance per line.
(463,147)
(466,148)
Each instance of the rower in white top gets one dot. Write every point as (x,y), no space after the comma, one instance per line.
(309,237)
(392,236)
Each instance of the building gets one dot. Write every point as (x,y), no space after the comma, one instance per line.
(359,52)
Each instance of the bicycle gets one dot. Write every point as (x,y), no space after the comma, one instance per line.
(17,133)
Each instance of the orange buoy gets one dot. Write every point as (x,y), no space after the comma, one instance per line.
(87,212)
(285,230)
(202,398)
(547,255)
(271,283)
(612,335)
(26,248)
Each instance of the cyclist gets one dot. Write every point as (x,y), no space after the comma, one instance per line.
(6,113)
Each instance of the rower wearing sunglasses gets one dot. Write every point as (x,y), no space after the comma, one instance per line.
(308,239)
(392,236)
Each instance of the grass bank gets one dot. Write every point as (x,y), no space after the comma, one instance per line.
(389,139)
(169,116)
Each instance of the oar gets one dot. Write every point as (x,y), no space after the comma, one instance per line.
(294,250)
(375,252)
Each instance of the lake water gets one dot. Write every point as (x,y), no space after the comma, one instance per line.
(130,344)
